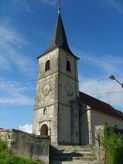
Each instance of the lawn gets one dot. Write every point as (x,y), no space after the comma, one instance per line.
(8,158)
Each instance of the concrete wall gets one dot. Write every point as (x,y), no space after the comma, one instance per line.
(99,118)
(27,145)
(30,146)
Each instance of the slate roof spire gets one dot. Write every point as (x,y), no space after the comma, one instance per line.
(59,38)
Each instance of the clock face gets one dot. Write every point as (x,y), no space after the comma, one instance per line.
(46,89)
(69,90)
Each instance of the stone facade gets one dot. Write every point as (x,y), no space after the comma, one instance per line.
(56,98)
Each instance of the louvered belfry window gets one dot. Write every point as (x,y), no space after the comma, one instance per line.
(68,66)
(47,65)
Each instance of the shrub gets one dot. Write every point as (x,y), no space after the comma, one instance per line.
(3,145)
(113,142)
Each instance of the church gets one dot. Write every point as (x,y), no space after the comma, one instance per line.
(62,112)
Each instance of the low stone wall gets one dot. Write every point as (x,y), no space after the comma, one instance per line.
(27,145)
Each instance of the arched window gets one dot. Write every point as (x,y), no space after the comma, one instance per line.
(47,65)
(44,111)
(68,68)
(44,130)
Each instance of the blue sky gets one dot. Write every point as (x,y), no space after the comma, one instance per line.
(94,30)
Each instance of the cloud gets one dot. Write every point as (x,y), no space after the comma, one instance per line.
(20,100)
(105,90)
(26,5)
(26,128)
(15,93)
(4,63)
(49,2)
(108,63)
(117,5)
(23,5)
(10,37)
(12,55)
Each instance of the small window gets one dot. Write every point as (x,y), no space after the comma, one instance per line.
(44,111)
(47,65)
(68,66)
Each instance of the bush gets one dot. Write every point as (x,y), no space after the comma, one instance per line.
(3,145)
(113,142)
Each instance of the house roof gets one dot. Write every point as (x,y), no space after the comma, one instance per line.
(100,106)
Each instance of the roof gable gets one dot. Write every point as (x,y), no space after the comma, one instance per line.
(100,106)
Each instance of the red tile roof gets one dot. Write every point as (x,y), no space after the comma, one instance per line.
(100,106)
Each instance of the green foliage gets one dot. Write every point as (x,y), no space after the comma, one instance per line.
(8,158)
(3,145)
(113,142)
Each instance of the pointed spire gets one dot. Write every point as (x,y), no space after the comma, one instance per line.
(59,37)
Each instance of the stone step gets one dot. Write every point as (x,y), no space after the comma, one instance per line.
(72,155)
(77,162)
(73,151)
(73,148)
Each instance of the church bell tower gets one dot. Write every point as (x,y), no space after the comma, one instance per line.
(56,110)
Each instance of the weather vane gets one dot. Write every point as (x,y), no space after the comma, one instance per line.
(59,6)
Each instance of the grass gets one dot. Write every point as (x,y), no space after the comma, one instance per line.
(8,158)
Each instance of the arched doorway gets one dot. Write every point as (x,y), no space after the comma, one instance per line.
(44,130)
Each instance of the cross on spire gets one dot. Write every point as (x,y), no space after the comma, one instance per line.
(59,8)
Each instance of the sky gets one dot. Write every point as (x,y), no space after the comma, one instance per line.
(94,30)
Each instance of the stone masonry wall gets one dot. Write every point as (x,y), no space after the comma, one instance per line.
(27,145)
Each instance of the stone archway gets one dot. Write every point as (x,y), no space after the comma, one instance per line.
(44,130)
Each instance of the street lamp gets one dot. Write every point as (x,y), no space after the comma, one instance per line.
(112,77)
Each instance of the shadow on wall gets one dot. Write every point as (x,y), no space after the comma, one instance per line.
(60,155)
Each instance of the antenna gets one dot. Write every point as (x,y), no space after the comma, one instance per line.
(59,8)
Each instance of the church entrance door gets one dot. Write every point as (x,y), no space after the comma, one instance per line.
(44,130)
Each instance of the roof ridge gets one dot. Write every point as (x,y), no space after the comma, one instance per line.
(99,105)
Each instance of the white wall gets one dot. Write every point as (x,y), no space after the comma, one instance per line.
(99,118)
